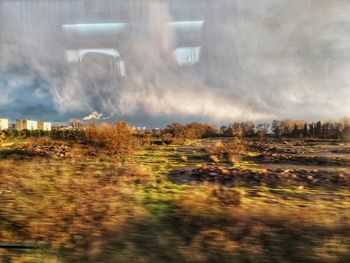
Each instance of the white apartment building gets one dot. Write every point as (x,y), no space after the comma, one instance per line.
(26,125)
(4,124)
(44,126)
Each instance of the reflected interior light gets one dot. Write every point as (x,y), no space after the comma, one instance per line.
(92,28)
(78,55)
(187,55)
(178,25)
(74,56)
(106,27)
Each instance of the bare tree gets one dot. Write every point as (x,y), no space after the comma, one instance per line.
(76,124)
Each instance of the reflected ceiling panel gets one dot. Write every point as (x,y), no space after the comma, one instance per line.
(96,28)
(187,55)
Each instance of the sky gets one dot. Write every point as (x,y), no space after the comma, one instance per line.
(159,61)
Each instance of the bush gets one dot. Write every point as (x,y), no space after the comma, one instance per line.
(2,138)
(72,134)
(190,131)
(23,134)
(116,138)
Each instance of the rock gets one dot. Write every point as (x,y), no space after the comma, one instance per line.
(184,158)
(218,144)
(224,171)
(214,159)
(232,159)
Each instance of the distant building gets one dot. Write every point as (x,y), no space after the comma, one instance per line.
(63,127)
(4,124)
(44,126)
(139,128)
(26,125)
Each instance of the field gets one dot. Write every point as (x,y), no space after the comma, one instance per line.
(204,200)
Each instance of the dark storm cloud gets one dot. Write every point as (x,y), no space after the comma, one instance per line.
(260,60)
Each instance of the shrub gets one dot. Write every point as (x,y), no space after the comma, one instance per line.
(72,134)
(190,131)
(23,134)
(2,138)
(227,148)
(116,138)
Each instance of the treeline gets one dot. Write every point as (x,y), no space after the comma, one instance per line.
(201,130)
(191,130)
(55,133)
(11,134)
(276,129)
(323,130)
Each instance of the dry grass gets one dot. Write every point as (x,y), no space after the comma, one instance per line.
(75,206)
(255,231)
(114,138)
(94,209)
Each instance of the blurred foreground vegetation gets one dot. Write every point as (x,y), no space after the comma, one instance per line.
(104,195)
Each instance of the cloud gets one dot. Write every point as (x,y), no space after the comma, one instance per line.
(93,116)
(258,60)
